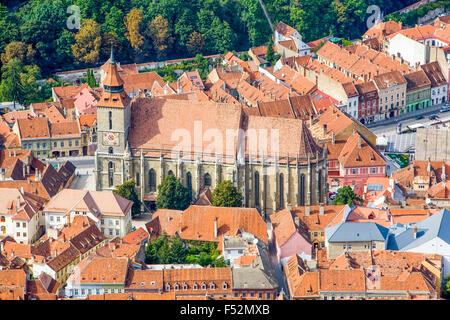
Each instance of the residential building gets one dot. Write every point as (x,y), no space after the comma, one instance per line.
(42,288)
(14,285)
(289,236)
(369,102)
(111,213)
(391,92)
(95,275)
(439,84)
(354,236)
(418,91)
(352,161)
(34,135)
(207,223)
(284,34)
(430,236)
(66,139)
(19,215)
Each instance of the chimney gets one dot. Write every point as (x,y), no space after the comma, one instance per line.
(14,152)
(359,141)
(324,129)
(23,172)
(307,211)
(429,165)
(333,137)
(443,173)
(1,246)
(297,221)
(215,227)
(321,209)
(415,232)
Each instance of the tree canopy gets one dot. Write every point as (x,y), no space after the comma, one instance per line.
(345,195)
(172,194)
(226,195)
(128,191)
(170,29)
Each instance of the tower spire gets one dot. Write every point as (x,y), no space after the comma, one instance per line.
(112,59)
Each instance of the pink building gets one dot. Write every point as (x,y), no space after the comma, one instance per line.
(289,236)
(352,161)
(86,102)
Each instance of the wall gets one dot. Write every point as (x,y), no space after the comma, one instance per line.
(410,50)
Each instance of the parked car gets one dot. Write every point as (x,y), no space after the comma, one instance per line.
(433,117)
(418,117)
(444,109)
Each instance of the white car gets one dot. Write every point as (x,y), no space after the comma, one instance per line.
(444,108)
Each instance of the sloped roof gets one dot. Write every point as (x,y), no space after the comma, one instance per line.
(356,232)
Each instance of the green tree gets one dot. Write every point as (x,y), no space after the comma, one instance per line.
(203,65)
(11,88)
(226,195)
(345,195)
(178,252)
(270,54)
(446,287)
(172,194)
(127,190)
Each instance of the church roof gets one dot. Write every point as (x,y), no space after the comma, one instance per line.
(154,122)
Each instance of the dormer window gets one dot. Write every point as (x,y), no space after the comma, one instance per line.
(176,287)
(185,286)
(212,286)
(195,286)
(167,287)
(224,286)
(203,286)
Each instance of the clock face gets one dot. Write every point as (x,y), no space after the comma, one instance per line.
(110,139)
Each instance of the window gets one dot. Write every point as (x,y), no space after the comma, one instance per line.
(2,219)
(260,295)
(152,180)
(62,143)
(189,184)
(281,181)
(195,286)
(203,286)
(212,286)
(349,247)
(110,150)
(268,295)
(77,142)
(24,225)
(17,225)
(110,232)
(256,188)
(117,232)
(38,145)
(374,245)
(117,222)
(70,143)
(353,171)
(185,286)
(302,189)
(207,180)
(374,170)
(83,292)
(55,144)
(176,287)
(51,218)
(58,219)
(343,247)
(138,179)
(110,119)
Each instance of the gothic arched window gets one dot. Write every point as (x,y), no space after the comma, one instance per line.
(152,180)
(302,189)
(189,184)
(256,188)
(110,119)
(207,180)
(281,180)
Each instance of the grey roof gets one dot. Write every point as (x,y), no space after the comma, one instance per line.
(234,243)
(436,226)
(355,232)
(252,278)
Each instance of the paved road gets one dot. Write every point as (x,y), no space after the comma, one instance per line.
(389,127)
(83,164)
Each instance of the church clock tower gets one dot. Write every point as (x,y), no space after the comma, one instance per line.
(113,113)
(113,124)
